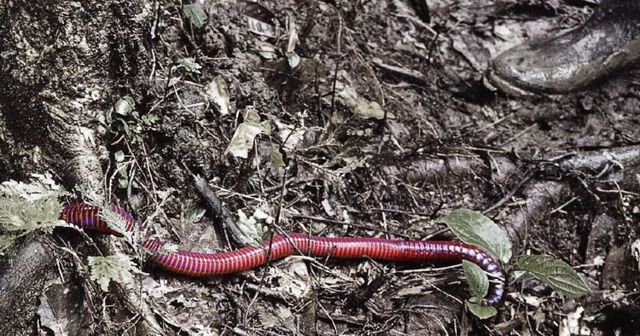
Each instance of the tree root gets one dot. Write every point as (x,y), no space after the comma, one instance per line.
(605,165)
(541,198)
(21,282)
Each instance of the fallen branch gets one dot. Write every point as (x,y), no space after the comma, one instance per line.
(221,214)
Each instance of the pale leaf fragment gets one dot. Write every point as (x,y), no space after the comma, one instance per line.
(217,92)
(259,27)
(242,140)
(245,134)
(360,106)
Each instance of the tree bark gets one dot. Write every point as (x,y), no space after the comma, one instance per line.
(62,65)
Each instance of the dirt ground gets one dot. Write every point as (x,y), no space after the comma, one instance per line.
(384,125)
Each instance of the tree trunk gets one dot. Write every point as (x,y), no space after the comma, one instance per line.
(62,64)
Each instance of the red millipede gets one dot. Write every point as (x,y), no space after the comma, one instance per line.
(207,264)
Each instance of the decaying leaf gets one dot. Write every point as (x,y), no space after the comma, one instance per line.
(242,140)
(260,20)
(119,156)
(573,324)
(289,135)
(250,226)
(635,251)
(360,106)
(124,105)
(194,213)
(259,27)
(246,132)
(217,92)
(292,32)
(293,59)
(49,318)
(189,64)
(266,50)
(277,160)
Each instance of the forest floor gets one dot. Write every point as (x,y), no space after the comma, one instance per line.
(379,114)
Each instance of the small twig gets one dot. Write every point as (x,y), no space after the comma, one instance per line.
(327,316)
(437,232)
(615,191)
(268,292)
(510,194)
(333,87)
(347,319)
(413,76)
(418,22)
(563,206)
(403,212)
(432,46)
(361,226)
(517,135)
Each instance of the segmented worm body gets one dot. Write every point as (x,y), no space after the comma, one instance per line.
(207,264)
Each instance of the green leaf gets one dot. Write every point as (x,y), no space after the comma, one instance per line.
(117,267)
(195,14)
(473,227)
(124,106)
(29,207)
(40,186)
(555,273)
(477,278)
(115,221)
(190,64)
(481,311)
(518,275)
